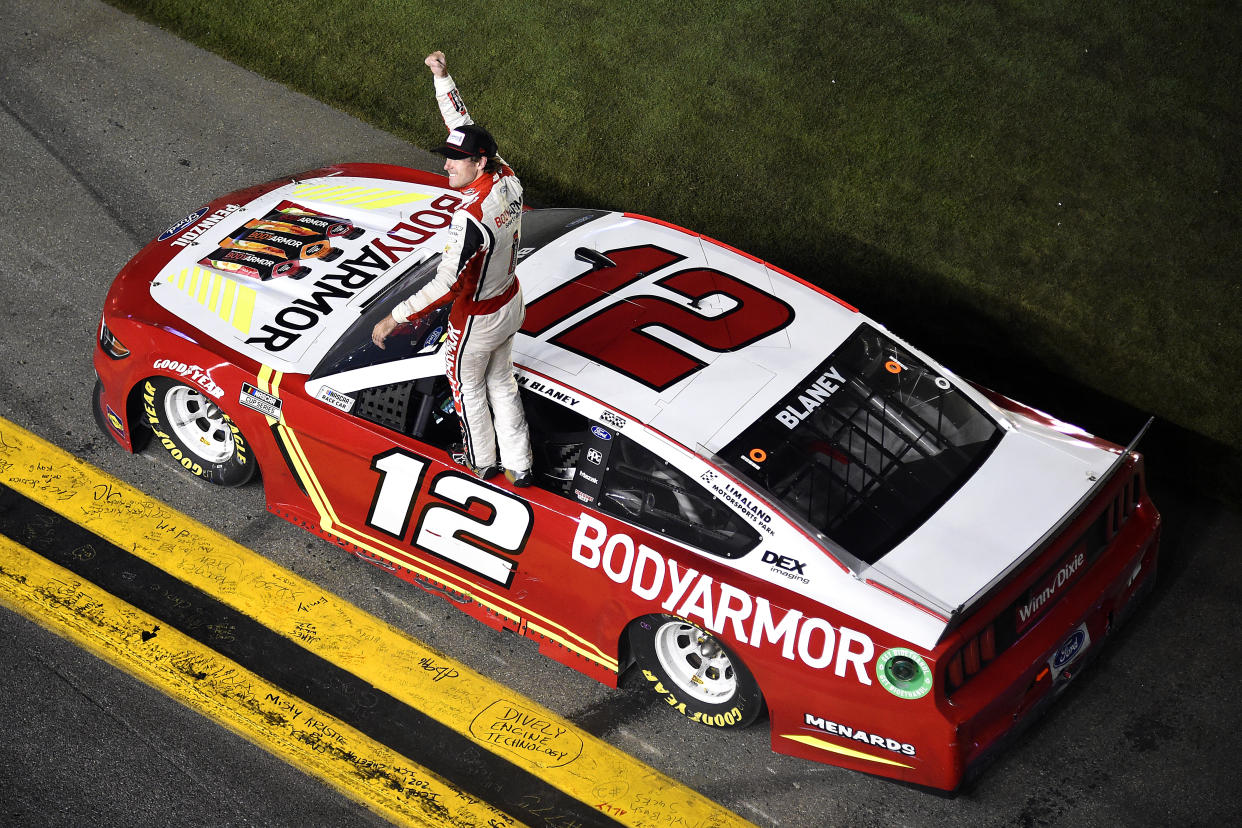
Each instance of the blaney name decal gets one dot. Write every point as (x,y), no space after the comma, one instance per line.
(688,594)
(811,398)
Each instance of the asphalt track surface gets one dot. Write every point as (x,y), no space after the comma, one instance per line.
(110,129)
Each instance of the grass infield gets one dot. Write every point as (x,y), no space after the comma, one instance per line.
(1042,195)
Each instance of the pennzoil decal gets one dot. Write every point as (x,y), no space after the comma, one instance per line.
(260,401)
(187,238)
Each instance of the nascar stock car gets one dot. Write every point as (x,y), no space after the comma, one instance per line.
(747,492)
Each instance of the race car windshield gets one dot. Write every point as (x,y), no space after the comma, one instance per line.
(423,336)
(868,446)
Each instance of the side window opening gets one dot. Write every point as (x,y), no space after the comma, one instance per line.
(633,483)
(557,436)
(421,408)
(640,487)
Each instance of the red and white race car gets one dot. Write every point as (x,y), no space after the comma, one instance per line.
(747,491)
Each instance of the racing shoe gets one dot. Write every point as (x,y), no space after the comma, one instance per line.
(520,479)
(458,454)
(484,472)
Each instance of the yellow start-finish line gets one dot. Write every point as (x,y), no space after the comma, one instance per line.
(608,781)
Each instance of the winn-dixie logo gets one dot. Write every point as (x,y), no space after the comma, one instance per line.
(334,289)
(1043,593)
(690,595)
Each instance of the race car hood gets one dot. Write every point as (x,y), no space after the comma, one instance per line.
(279,278)
(1032,483)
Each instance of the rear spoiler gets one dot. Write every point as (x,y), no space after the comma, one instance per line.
(960,613)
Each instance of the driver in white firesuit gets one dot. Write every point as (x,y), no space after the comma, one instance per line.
(476,274)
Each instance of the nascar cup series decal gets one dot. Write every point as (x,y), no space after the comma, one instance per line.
(260,401)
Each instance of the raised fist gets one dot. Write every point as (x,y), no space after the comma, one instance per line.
(437,64)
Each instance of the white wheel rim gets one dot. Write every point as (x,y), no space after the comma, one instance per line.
(695,662)
(199,424)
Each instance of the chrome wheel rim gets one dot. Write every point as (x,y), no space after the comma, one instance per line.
(199,424)
(696,662)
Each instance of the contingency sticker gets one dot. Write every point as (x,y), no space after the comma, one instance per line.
(260,401)
(335,398)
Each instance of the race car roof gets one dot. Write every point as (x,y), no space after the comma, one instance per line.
(683,333)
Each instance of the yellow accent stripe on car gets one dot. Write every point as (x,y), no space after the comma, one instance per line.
(368,198)
(245,703)
(218,293)
(591,770)
(213,297)
(844,751)
(269,381)
(244,312)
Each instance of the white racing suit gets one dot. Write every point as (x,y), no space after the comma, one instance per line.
(476,275)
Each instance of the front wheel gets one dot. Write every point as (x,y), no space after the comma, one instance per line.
(200,437)
(695,673)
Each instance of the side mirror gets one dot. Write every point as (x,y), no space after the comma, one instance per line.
(593,257)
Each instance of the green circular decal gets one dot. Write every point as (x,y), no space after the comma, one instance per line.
(904,673)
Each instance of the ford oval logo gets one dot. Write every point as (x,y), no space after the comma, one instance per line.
(181,225)
(600,433)
(1069,648)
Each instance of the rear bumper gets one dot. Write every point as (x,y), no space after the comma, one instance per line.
(1045,663)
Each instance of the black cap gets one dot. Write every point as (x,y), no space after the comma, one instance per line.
(469,141)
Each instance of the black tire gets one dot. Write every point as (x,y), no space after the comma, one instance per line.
(196,433)
(694,672)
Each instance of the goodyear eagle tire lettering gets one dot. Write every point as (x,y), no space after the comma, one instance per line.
(196,433)
(694,673)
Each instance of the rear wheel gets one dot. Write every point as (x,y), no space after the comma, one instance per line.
(196,433)
(695,673)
